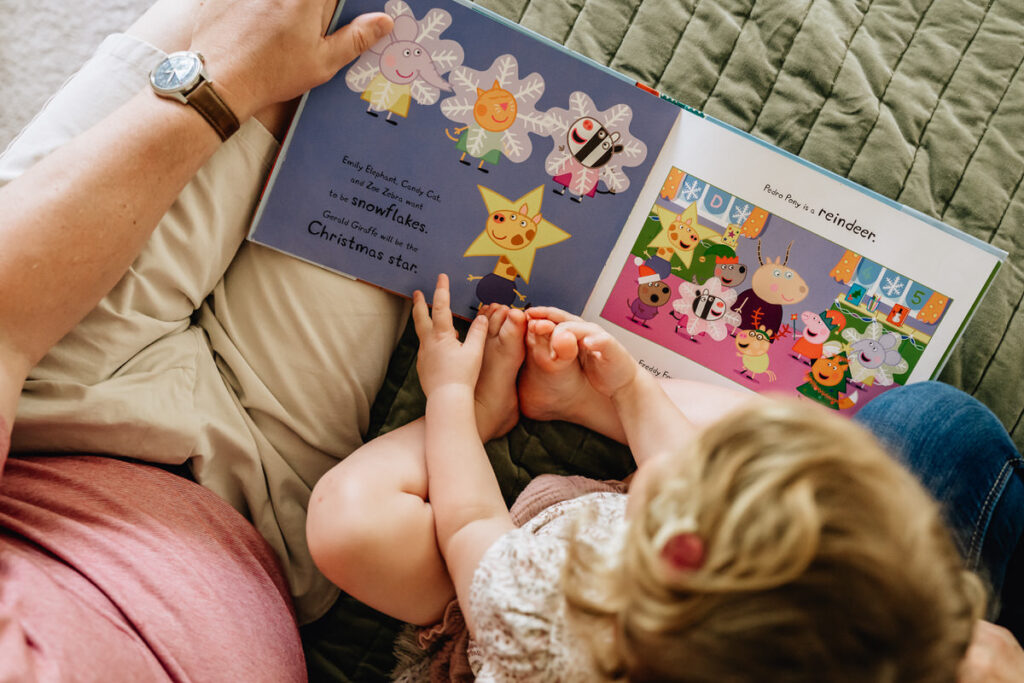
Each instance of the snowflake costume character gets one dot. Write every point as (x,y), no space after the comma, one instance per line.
(497,108)
(874,355)
(591,146)
(406,64)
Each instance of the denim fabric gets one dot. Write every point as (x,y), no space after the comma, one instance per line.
(963,455)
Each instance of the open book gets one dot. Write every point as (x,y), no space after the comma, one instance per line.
(464,144)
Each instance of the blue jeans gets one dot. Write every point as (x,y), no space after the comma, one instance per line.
(963,455)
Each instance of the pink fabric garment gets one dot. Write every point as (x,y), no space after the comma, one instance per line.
(115,570)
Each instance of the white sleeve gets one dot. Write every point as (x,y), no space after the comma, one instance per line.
(515,599)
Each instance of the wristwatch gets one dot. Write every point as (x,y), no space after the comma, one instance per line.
(180,76)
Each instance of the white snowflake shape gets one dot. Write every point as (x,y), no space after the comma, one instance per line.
(690,191)
(893,287)
(515,140)
(740,214)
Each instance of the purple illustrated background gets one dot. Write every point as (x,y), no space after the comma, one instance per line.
(315,178)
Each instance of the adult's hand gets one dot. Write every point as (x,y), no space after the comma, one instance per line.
(261,52)
(994,656)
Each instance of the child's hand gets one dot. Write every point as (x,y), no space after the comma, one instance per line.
(442,359)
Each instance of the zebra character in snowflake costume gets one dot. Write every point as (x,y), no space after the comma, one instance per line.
(595,147)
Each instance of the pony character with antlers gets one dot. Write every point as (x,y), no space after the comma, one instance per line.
(773,285)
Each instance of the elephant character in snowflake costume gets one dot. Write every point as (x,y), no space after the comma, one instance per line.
(874,355)
(407,64)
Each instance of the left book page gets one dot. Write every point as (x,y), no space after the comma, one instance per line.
(464,144)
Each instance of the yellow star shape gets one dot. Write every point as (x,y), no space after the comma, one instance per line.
(689,215)
(521,259)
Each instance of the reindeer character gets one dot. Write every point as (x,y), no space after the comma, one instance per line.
(772,285)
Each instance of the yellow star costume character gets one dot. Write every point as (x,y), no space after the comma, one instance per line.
(680,234)
(514,232)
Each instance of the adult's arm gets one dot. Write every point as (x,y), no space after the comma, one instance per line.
(74,222)
(994,656)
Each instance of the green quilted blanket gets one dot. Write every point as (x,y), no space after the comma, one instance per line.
(919,100)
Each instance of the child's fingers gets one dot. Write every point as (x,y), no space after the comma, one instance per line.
(442,313)
(475,337)
(420,315)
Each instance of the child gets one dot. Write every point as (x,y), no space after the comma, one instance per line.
(777,543)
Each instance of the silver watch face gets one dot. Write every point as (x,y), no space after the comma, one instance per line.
(178,72)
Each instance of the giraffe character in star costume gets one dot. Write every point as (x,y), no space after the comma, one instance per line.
(687,242)
(514,231)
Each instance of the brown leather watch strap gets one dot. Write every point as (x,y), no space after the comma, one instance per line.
(219,115)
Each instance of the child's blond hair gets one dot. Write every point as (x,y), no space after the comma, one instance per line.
(824,560)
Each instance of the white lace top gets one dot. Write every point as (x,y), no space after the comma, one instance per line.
(516,598)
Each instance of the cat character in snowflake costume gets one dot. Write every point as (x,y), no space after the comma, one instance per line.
(407,64)
(497,108)
(595,147)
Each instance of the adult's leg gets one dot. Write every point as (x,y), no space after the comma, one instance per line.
(963,455)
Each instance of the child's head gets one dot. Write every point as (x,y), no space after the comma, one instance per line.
(823,559)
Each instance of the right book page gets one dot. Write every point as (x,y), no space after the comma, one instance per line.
(746,266)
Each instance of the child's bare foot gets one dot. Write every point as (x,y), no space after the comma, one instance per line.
(497,406)
(552,385)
